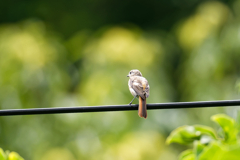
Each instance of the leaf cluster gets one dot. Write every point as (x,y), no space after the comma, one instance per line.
(9,155)
(207,143)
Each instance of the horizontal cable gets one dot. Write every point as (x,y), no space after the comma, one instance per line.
(174,105)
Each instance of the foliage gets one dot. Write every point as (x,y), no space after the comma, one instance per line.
(9,155)
(208,145)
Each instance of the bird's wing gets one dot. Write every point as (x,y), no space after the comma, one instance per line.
(147,90)
(139,85)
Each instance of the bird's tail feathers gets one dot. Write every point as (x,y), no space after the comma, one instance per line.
(142,108)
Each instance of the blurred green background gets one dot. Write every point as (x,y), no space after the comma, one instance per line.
(78,53)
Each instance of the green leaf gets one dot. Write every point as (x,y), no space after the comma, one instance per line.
(198,148)
(213,151)
(229,127)
(231,154)
(216,151)
(14,156)
(205,130)
(187,155)
(183,135)
(2,155)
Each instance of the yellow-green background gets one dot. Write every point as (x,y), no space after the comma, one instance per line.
(78,53)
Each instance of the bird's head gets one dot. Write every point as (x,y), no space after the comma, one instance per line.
(134,72)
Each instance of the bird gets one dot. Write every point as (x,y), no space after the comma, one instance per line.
(139,87)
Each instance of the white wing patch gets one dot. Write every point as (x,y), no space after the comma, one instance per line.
(136,83)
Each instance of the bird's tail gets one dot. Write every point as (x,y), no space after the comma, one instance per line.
(142,108)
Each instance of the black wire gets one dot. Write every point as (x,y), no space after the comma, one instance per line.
(174,105)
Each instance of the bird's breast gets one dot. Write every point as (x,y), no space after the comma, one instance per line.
(132,91)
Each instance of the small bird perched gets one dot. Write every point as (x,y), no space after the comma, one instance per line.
(139,87)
